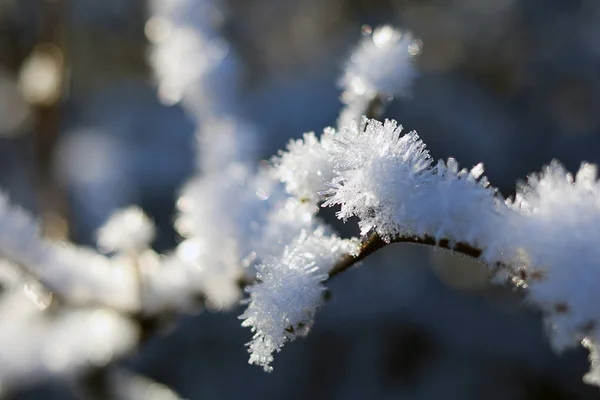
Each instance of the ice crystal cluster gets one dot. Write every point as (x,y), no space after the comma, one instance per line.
(544,238)
(126,230)
(554,229)
(284,303)
(257,228)
(191,60)
(379,69)
(40,342)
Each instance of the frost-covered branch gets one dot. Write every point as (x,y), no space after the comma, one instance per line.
(379,69)
(77,275)
(374,242)
(544,240)
(42,340)
(260,225)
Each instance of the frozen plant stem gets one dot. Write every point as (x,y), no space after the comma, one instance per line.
(374,242)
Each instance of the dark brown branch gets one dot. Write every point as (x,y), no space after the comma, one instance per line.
(374,242)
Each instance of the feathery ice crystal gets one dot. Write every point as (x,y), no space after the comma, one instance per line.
(290,166)
(79,275)
(380,67)
(546,239)
(382,64)
(289,291)
(191,61)
(38,345)
(261,224)
(126,230)
(555,231)
(376,168)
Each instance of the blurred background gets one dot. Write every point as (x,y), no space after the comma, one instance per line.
(512,83)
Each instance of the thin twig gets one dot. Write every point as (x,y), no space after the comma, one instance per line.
(374,242)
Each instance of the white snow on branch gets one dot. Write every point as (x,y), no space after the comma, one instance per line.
(289,291)
(191,61)
(217,211)
(242,223)
(380,66)
(244,214)
(39,344)
(127,230)
(553,238)
(546,237)
(79,275)
(456,204)
(289,166)
(593,376)
(227,203)
(387,179)
(382,63)
(377,172)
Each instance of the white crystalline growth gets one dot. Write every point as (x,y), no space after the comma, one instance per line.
(225,217)
(456,204)
(381,65)
(306,166)
(189,58)
(247,216)
(387,180)
(593,376)
(127,230)
(38,345)
(552,238)
(216,212)
(378,172)
(77,274)
(289,291)
(282,224)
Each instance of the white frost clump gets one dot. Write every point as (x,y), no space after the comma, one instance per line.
(382,63)
(127,230)
(553,236)
(191,61)
(244,214)
(79,275)
(83,276)
(457,204)
(593,376)
(289,291)
(37,345)
(305,166)
(387,180)
(41,341)
(378,171)
(225,205)
(381,66)
(219,211)
(547,237)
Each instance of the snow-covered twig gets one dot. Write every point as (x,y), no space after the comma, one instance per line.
(260,225)
(374,242)
(544,240)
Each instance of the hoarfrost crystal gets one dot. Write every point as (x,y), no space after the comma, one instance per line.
(378,69)
(126,230)
(289,291)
